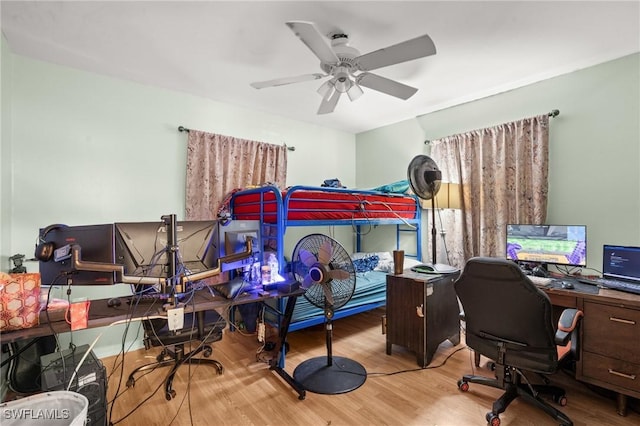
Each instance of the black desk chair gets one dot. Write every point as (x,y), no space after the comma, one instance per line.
(510,321)
(207,328)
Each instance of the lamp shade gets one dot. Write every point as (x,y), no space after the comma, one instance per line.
(448,197)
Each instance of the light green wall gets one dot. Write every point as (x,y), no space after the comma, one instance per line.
(88,149)
(5,176)
(5,156)
(594,176)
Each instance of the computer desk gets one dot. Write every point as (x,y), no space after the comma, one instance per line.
(609,355)
(101,315)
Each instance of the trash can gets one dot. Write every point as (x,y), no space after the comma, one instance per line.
(55,408)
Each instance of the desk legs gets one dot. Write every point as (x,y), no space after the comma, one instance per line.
(277,364)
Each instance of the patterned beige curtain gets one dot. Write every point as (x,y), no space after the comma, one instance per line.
(217,164)
(503,172)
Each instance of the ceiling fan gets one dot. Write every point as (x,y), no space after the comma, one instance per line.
(349,69)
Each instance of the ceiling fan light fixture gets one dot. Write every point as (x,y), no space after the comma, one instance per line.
(326,89)
(354,92)
(343,84)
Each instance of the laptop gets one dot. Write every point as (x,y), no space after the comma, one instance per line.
(621,263)
(621,268)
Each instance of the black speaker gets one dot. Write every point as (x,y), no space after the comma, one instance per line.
(90,380)
(44,250)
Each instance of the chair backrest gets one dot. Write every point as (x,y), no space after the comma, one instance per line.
(504,309)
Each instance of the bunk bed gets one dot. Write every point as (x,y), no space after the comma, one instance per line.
(277,210)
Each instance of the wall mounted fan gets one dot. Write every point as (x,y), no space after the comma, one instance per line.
(324,269)
(348,69)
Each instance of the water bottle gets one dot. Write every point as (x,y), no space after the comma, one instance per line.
(273,265)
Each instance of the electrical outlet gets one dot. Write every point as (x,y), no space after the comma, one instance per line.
(175,318)
(261,331)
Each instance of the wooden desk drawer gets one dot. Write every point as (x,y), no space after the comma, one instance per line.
(563,300)
(612,331)
(609,370)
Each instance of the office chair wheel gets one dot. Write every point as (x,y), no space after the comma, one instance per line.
(492,419)
(131,382)
(169,395)
(463,386)
(207,351)
(491,366)
(561,400)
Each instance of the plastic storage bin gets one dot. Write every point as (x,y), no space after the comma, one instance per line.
(55,408)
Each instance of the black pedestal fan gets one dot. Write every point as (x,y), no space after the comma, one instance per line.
(324,269)
(425,177)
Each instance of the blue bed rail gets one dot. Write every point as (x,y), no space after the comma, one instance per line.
(280,207)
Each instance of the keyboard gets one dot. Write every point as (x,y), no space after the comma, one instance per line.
(613,284)
(540,281)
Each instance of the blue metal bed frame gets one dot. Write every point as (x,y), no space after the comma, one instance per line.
(282,222)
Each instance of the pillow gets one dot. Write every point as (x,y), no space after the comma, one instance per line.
(19,301)
(385,260)
(385,264)
(365,264)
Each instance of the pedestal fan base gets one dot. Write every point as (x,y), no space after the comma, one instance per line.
(317,376)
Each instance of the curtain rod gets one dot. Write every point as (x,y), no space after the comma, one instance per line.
(552,113)
(184,129)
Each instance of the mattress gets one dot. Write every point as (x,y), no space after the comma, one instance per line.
(323,204)
(370,288)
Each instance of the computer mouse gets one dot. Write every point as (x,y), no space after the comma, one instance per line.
(114,302)
(567,284)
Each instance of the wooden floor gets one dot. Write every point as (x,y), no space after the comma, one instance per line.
(248,393)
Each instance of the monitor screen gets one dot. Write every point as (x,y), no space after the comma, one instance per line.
(142,247)
(96,243)
(621,262)
(547,244)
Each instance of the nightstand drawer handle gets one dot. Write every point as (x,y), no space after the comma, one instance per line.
(626,376)
(624,321)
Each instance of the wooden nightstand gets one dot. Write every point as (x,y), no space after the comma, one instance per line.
(422,312)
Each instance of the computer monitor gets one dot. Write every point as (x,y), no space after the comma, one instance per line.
(621,262)
(232,236)
(142,248)
(96,243)
(547,244)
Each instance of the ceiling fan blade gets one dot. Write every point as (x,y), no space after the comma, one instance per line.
(325,252)
(328,105)
(339,274)
(287,80)
(385,85)
(327,293)
(416,48)
(315,41)
(307,258)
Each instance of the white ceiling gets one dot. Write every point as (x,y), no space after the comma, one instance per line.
(215,49)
